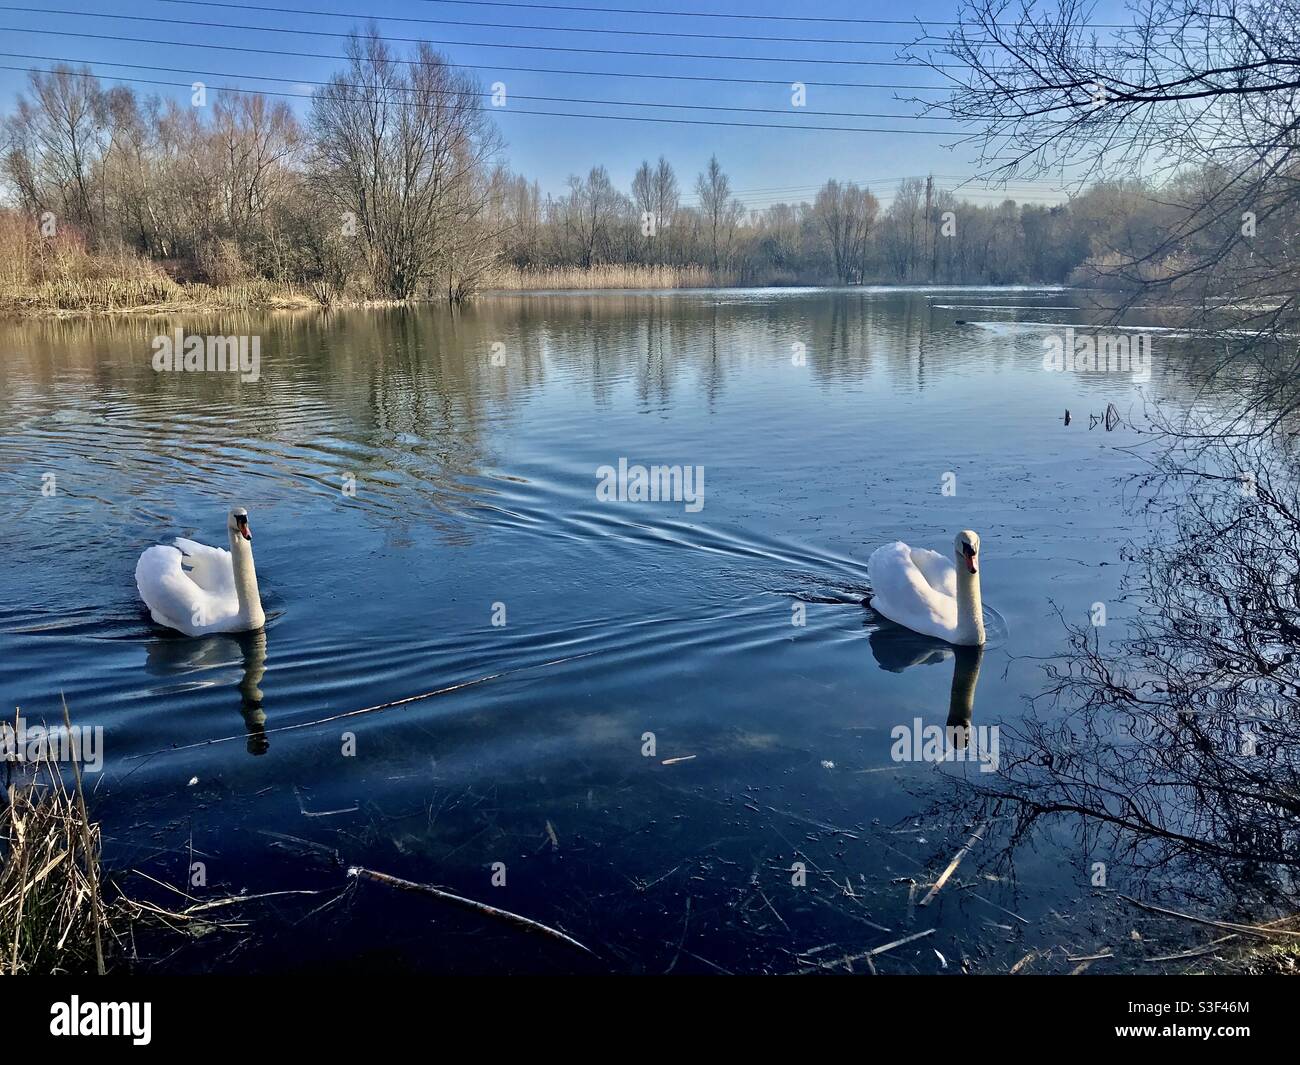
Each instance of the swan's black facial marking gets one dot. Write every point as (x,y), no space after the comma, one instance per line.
(241,523)
(969,552)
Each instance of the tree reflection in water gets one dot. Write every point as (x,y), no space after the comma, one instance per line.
(1174,749)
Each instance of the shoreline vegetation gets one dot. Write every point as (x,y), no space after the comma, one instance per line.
(610,276)
(62,912)
(119,201)
(74,282)
(53,917)
(68,280)
(81,297)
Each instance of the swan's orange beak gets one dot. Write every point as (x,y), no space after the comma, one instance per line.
(970,557)
(244,530)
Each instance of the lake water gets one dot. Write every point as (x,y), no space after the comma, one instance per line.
(413,476)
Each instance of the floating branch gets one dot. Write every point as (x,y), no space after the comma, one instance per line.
(469,904)
(952,865)
(1262,931)
(867,955)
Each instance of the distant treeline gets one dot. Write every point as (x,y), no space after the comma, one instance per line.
(394,188)
(843,235)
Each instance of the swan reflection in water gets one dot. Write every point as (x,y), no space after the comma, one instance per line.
(214,658)
(897,649)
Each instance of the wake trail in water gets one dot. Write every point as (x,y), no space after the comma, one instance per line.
(607,527)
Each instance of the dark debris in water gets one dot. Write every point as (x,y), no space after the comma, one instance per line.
(677,877)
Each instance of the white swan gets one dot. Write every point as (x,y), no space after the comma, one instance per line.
(925,592)
(199,589)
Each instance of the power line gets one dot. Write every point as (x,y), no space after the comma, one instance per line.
(740,17)
(472,66)
(763,201)
(622,53)
(974,196)
(519,111)
(488,44)
(903,177)
(764,197)
(956,188)
(929,40)
(782,39)
(512,96)
(521,96)
(794,193)
(796,198)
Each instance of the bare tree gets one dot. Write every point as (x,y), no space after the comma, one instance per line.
(590,211)
(903,228)
(56,141)
(1197,97)
(720,212)
(402,149)
(517,214)
(1181,742)
(258,143)
(654,194)
(847,213)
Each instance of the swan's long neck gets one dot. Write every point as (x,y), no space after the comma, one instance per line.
(970,608)
(250,599)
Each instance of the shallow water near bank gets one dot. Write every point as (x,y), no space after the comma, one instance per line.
(674,706)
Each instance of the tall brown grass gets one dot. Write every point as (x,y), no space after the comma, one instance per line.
(59,274)
(606,276)
(52,913)
(59,912)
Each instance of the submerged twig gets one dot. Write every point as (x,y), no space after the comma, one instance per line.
(1009,913)
(1261,931)
(1209,948)
(867,955)
(952,865)
(470,904)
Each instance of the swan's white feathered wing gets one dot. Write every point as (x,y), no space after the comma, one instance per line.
(189,587)
(915,588)
(211,568)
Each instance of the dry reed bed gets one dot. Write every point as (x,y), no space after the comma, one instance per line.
(607,276)
(52,914)
(58,913)
(59,275)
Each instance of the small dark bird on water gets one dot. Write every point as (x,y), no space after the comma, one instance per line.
(962,321)
(1067,416)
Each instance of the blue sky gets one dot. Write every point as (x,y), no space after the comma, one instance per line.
(765,164)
